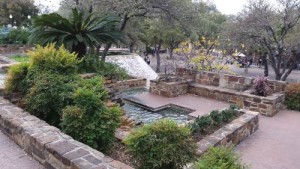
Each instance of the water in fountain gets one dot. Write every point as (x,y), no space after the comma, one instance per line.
(139,114)
(134,65)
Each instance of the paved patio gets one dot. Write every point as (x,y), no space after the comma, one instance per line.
(276,144)
(201,105)
(13,157)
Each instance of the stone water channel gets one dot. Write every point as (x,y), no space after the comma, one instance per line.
(139,114)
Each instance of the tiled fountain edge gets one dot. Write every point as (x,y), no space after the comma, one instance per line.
(48,144)
(232,133)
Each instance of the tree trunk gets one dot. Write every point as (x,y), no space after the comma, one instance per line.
(104,54)
(158,56)
(98,50)
(122,27)
(171,53)
(79,49)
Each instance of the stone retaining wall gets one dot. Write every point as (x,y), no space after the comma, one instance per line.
(208,78)
(233,133)
(267,106)
(168,89)
(48,145)
(11,48)
(126,84)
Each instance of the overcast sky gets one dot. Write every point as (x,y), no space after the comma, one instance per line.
(225,6)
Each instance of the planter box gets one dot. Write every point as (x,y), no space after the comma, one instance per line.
(48,144)
(232,133)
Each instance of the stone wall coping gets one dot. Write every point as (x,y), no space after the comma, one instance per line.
(48,145)
(233,129)
(271,97)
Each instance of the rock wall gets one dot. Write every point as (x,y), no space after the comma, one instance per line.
(233,133)
(48,145)
(168,89)
(267,106)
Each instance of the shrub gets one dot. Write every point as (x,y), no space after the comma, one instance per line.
(261,87)
(220,158)
(216,116)
(228,114)
(16,36)
(48,96)
(89,121)
(201,124)
(54,60)
(162,145)
(95,84)
(16,78)
(112,70)
(292,98)
(89,64)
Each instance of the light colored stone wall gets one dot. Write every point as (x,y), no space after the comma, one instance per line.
(48,144)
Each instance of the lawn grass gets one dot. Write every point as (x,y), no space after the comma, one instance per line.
(20,58)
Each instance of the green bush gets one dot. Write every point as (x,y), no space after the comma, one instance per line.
(162,145)
(54,60)
(48,96)
(16,80)
(16,36)
(95,84)
(92,64)
(216,116)
(228,114)
(220,158)
(292,97)
(89,64)
(201,124)
(89,121)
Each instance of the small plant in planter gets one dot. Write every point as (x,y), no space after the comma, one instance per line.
(220,158)
(162,145)
(261,87)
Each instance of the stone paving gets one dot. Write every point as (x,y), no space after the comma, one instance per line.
(13,157)
(201,105)
(276,144)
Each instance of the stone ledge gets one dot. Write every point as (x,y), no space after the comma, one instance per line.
(232,133)
(267,106)
(48,144)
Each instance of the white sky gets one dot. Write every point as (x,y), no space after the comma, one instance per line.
(225,6)
(230,6)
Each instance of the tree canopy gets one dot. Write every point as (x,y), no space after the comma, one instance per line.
(19,10)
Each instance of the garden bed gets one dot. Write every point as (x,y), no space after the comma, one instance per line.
(242,126)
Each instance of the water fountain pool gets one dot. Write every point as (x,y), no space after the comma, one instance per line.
(140,114)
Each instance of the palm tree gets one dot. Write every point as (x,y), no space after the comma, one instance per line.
(78,32)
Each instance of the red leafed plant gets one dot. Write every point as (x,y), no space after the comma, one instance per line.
(261,87)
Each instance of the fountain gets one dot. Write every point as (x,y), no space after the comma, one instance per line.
(134,65)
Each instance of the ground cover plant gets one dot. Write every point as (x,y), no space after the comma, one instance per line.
(220,158)
(20,58)
(207,124)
